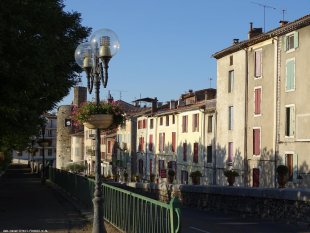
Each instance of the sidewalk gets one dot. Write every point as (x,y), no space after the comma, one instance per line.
(28,206)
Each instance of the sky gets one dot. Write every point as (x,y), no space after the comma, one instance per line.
(166,46)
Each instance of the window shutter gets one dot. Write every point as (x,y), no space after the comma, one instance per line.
(295,40)
(195,160)
(290,75)
(284,43)
(184,151)
(257,101)
(256,141)
(163,145)
(173,142)
(258,63)
(292,123)
(151,142)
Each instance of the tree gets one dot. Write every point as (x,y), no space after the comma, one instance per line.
(37,67)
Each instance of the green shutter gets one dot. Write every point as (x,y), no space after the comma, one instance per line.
(290,75)
(295,40)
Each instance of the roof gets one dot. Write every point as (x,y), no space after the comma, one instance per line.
(289,27)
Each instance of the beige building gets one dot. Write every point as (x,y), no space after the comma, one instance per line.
(262,113)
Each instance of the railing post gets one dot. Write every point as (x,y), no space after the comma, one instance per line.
(175,215)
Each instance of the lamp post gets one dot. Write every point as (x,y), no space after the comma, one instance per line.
(94,57)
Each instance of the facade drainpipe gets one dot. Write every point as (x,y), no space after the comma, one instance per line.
(278,88)
(246,165)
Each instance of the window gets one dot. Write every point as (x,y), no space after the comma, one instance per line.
(230,117)
(256,141)
(231,60)
(258,64)
(209,154)
(151,123)
(161,167)
(230,81)
(167,120)
(195,158)
(230,152)
(290,75)
(144,124)
(161,121)
(172,165)
(173,144)
(291,41)
(184,177)
(210,120)
(139,124)
(151,142)
(173,119)
(109,147)
(184,124)
(289,164)
(161,142)
(195,122)
(184,151)
(102,155)
(141,144)
(257,100)
(289,121)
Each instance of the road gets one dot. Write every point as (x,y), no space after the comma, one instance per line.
(199,221)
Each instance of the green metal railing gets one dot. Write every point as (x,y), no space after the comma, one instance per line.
(127,211)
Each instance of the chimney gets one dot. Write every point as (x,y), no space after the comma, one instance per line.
(283,23)
(173,104)
(154,105)
(235,41)
(254,31)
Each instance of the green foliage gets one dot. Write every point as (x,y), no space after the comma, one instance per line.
(282,170)
(195,174)
(5,160)
(76,167)
(229,173)
(37,67)
(87,109)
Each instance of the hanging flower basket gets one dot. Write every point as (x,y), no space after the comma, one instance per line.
(102,116)
(99,121)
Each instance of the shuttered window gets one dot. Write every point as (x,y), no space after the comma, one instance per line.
(173,145)
(256,141)
(184,124)
(258,63)
(257,101)
(151,142)
(195,159)
(195,122)
(290,75)
(230,81)
(209,154)
(290,41)
(230,117)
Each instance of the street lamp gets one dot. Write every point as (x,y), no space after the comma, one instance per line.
(94,57)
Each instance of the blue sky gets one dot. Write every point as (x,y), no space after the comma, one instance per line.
(167,45)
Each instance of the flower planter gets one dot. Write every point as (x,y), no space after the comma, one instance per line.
(99,121)
(231,180)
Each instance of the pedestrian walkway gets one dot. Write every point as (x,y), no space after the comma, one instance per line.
(28,206)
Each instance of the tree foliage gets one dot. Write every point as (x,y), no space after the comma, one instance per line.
(37,67)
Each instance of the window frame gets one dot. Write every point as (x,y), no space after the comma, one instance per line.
(256,75)
(256,114)
(230,117)
(286,75)
(231,78)
(260,141)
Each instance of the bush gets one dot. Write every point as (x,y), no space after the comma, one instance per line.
(76,167)
(229,173)
(195,174)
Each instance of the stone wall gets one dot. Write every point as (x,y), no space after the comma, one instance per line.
(291,205)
